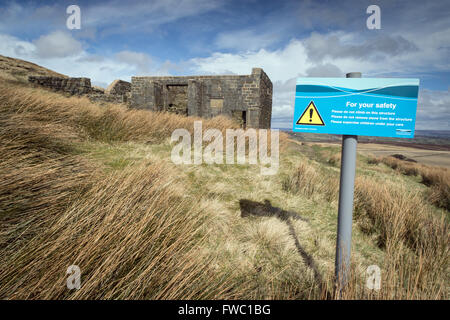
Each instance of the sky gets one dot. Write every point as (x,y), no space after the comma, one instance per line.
(288,39)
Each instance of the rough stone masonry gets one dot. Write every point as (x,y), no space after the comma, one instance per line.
(247,98)
(74,86)
(117,92)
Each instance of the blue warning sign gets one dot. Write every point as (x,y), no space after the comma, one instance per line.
(382,107)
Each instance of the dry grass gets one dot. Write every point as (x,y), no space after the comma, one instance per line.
(107,123)
(18,70)
(415,240)
(437,178)
(134,233)
(335,159)
(38,176)
(373,160)
(312,182)
(157,231)
(404,167)
(134,237)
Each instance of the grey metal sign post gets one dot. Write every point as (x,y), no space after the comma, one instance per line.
(345,211)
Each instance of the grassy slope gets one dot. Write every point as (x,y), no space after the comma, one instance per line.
(19,70)
(95,186)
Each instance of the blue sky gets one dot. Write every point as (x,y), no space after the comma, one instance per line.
(288,39)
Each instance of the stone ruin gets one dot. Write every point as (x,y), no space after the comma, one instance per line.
(73,86)
(117,92)
(246,98)
(118,87)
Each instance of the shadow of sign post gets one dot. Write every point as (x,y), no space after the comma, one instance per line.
(257,209)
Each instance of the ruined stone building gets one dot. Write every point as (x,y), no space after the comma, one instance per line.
(117,92)
(74,86)
(247,98)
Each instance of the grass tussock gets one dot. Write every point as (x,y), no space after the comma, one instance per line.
(108,123)
(134,237)
(415,240)
(335,159)
(39,176)
(311,181)
(437,178)
(134,232)
(404,167)
(373,160)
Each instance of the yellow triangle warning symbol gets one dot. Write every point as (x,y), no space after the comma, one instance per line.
(311,116)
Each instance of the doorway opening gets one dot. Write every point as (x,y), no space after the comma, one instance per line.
(241,118)
(177,99)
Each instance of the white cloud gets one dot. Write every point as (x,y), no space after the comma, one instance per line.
(283,67)
(322,70)
(57,44)
(341,45)
(433,110)
(280,64)
(99,69)
(143,15)
(141,61)
(13,47)
(112,17)
(245,40)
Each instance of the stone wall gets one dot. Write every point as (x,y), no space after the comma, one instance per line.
(73,86)
(117,92)
(108,98)
(119,87)
(248,97)
(266,89)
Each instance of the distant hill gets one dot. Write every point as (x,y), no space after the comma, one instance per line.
(16,69)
